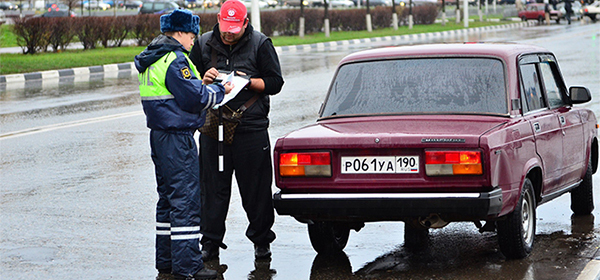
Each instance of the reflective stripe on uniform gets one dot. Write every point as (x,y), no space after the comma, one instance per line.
(212,96)
(182,229)
(192,232)
(185,237)
(163,228)
(158,97)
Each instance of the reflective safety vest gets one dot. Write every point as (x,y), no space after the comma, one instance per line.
(152,81)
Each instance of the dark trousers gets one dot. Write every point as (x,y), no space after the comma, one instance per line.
(250,157)
(176,164)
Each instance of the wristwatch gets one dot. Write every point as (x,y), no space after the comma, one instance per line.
(248,84)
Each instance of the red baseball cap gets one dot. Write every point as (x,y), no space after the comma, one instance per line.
(232,16)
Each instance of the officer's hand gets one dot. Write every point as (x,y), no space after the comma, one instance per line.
(209,76)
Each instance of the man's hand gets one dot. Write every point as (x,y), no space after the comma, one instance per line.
(228,86)
(210,76)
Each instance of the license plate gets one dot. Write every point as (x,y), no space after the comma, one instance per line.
(380,164)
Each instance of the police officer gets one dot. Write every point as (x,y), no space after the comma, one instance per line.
(174,101)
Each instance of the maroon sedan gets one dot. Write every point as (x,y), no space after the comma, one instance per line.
(537,12)
(432,134)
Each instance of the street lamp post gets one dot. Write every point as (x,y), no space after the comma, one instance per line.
(410,14)
(301,31)
(368,19)
(326,20)
(394,15)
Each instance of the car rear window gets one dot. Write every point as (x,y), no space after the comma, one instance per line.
(440,85)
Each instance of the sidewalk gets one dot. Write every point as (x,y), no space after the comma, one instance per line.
(14,81)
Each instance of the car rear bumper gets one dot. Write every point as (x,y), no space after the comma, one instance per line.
(388,206)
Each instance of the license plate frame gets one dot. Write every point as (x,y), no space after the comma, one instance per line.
(408,164)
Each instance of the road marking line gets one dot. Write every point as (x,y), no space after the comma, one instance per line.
(591,271)
(51,127)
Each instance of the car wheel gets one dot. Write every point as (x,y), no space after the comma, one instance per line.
(328,238)
(582,197)
(523,18)
(415,237)
(541,19)
(516,232)
(557,20)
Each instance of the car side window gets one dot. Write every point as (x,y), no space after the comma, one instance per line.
(531,87)
(553,91)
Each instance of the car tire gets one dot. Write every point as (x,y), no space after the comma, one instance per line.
(541,19)
(523,18)
(516,233)
(328,238)
(558,21)
(582,197)
(415,237)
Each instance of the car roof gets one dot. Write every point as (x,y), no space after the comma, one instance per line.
(505,51)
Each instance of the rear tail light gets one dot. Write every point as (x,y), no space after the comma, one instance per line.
(438,163)
(309,164)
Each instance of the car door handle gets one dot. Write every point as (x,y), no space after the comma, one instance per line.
(562,120)
(537,127)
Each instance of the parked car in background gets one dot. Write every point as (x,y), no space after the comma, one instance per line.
(209,3)
(373,3)
(261,4)
(591,11)
(492,137)
(58,6)
(187,4)
(536,11)
(58,10)
(95,5)
(131,4)
(340,3)
(272,3)
(158,7)
(58,13)
(8,6)
(306,3)
(576,7)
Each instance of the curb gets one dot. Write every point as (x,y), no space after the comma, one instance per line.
(72,75)
(419,36)
(15,81)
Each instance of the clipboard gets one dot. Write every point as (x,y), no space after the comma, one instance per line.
(238,82)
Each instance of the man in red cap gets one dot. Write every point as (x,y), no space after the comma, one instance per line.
(234,45)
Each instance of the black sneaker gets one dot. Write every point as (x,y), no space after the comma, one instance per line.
(210,251)
(262,252)
(203,274)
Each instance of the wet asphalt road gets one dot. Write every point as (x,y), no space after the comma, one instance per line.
(77,190)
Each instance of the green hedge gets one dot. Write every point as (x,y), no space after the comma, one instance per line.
(55,34)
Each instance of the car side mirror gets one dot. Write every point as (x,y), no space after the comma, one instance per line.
(580,95)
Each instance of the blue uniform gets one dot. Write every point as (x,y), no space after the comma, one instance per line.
(174,101)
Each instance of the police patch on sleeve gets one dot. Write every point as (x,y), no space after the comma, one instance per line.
(186,73)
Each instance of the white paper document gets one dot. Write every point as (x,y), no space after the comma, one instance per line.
(238,83)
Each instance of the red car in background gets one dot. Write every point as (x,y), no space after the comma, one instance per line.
(433,134)
(536,11)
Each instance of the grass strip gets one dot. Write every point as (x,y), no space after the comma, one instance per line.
(19,63)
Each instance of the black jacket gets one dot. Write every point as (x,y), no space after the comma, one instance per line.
(254,55)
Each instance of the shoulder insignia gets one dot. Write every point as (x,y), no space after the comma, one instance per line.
(186,73)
